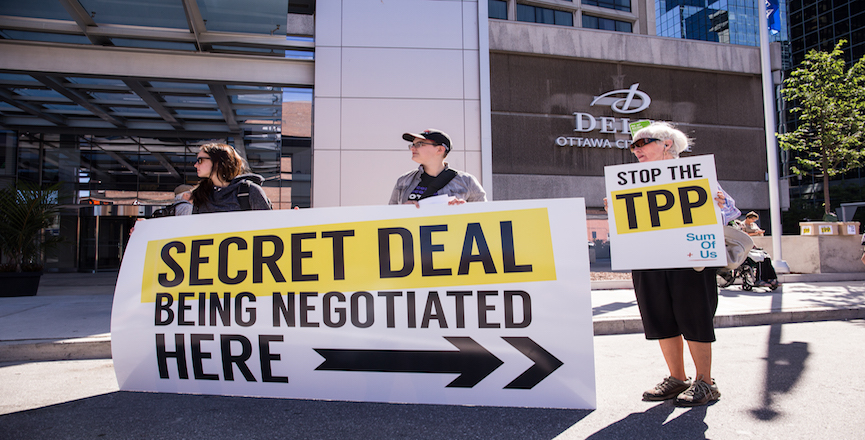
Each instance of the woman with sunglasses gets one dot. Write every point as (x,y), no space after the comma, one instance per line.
(678,305)
(226,184)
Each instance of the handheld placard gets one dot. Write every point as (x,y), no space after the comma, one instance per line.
(637,126)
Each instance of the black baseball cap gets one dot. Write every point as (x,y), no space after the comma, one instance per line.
(431,134)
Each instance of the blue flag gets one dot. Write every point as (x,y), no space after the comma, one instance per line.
(772,17)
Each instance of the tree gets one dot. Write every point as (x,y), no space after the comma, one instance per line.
(831,106)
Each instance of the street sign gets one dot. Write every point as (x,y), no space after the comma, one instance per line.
(480,304)
(662,214)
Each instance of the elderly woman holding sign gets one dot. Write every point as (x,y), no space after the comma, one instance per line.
(678,305)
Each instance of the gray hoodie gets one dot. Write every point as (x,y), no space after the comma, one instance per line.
(225,199)
(182,206)
(463,186)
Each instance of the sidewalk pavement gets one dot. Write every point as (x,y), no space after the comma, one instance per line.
(70,317)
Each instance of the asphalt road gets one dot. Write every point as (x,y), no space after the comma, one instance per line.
(783,381)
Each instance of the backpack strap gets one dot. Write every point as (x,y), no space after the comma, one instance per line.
(438,183)
(243,195)
(172,209)
(168,211)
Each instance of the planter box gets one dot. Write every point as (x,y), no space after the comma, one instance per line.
(818,253)
(829,228)
(849,228)
(19,283)
(818,228)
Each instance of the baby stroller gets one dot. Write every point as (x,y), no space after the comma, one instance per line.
(747,272)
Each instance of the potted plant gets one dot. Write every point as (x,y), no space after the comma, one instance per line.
(26,210)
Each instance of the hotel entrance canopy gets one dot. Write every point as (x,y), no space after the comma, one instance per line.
(154,78)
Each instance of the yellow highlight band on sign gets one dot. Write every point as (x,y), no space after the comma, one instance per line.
(669,206)
(408,253)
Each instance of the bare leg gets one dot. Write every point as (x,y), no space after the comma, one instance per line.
(701,352)
(673,349)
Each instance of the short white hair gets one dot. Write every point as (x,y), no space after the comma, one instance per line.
(666,131)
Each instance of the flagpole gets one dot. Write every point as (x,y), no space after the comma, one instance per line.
(771,142)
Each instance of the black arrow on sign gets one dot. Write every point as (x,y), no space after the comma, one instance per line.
(471,361)
(545,363)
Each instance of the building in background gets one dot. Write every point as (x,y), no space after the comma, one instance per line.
(113,99)
(561,98)
(820,25)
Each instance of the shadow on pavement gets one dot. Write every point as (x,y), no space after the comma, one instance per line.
(171,416)
(735,291)
(849,297)
(612,307)
(650,424)
(784,366)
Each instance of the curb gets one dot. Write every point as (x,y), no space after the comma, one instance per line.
(99,347)
(612,284)
(93,347)
(784,278)
(821,277)
(635,325)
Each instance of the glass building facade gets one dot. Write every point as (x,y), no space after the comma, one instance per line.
(820,25)
(133,90)
(723,21)
(536,14)
(607,24)
(589,14)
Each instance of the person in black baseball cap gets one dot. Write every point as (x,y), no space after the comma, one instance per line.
(433,177)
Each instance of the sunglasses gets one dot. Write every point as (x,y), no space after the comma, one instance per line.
(421,144)
(198,160)
(640,143)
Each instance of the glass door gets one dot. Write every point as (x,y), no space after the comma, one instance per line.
(102,242)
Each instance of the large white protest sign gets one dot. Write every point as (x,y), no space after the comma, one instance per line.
(481,303)
(662,214)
